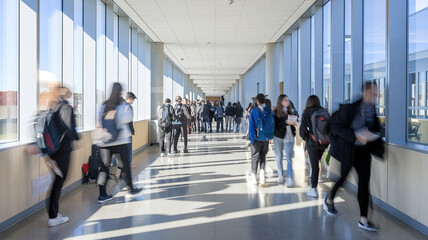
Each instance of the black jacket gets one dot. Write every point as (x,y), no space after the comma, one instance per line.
(230,111)
(305,130)
(281,127)
(239,111)
(342,136)
(206,112)
(67,124)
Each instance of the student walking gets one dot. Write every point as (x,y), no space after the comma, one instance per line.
(182,114)
(67,124)
(261,129)
(115,116)
(130,98)
(314,130)
(230,114)
(206,117)
(355,136)
(219,113)
(199,116)
(239,111)
(285,131)
(166,116)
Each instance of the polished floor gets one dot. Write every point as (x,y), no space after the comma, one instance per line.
(204,195)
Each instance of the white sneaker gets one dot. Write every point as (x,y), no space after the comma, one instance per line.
(313,193)
(253,179)
(262,178)
(280,180)
(162,154)
(52,222)
(289,182)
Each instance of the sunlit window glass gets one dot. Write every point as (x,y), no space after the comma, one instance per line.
(8,70)
(417,66)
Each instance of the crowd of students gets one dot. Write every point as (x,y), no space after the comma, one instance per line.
(194,116)
(352,132)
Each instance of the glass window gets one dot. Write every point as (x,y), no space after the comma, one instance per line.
(417,71)
(78,63)
(374,54)
(326,55)
(116,48)
(50,42)
(299,76)
(8,71)
(101,54)
(348,51)
(312,55)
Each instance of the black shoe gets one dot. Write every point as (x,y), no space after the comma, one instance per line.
(186,151)
(135,191)
(368,226)
(329,208)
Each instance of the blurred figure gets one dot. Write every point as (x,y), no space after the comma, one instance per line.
(118,111)
(239,111)
(199,116)
(166,116)
(314,118)
(229,117)
(355,136)
(193,114)
(67,123)
(206,117)
(130,98)
(182,114)
(219,113)
(186,104)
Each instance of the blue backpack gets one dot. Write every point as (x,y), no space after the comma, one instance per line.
(109,123)
(266,126)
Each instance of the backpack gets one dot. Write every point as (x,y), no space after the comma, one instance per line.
(320,126)
(94,162)
(164,117)
(179,111)
(108,122)
(48,131)
(220,111)
(266,125)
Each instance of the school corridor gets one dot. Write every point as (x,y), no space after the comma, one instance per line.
(205,195)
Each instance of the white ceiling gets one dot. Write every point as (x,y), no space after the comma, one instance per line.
(216,41)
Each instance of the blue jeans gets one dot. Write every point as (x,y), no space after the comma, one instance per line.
(280,145)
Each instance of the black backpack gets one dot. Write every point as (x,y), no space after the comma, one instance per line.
(164,116)
(48,130)
(94,162)
(179,111)
(320,126)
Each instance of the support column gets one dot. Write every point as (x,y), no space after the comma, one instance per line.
(157,53)
(237,91)
(241,83)
(270,69)
(337,59)
(305,64)
(109,48)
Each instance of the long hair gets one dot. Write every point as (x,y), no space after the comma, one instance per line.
(312,102)
(278,110)
(115,96)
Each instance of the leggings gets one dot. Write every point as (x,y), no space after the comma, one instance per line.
(362,164)
(315,157)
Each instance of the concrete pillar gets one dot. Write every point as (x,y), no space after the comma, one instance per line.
(241,83)
(156,78)
(270,69)
(237,91)
(232,92)
(157,53)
